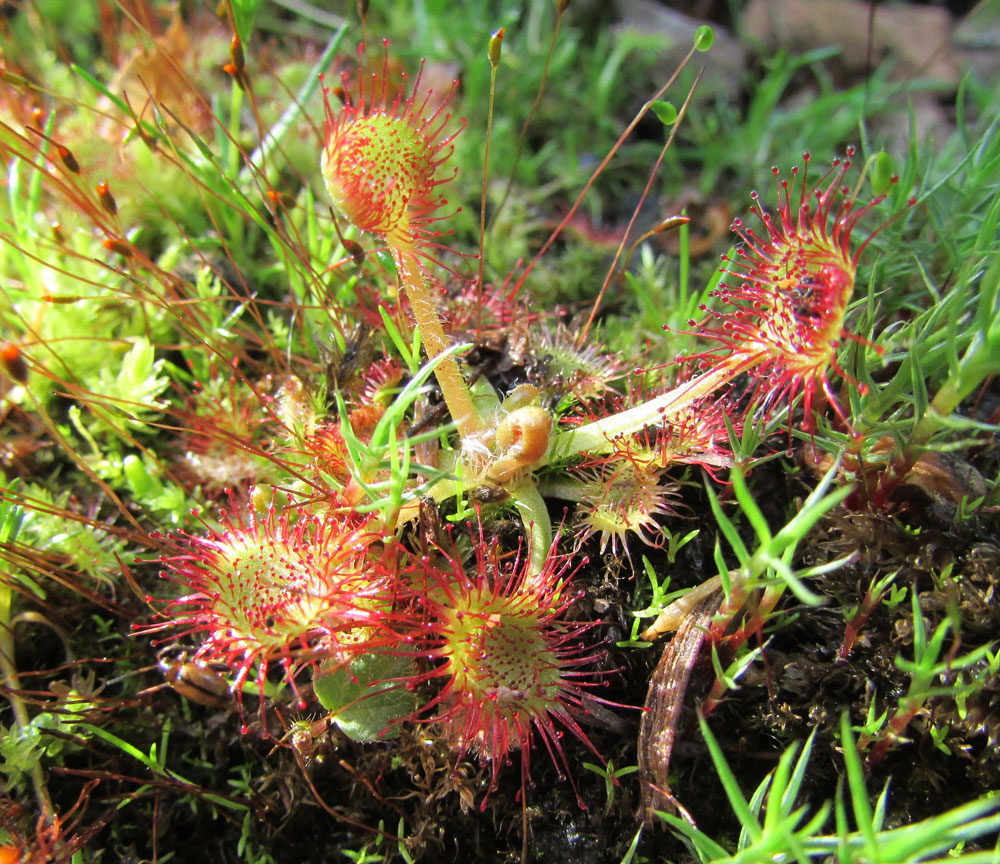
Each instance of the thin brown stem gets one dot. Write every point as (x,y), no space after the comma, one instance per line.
(496,41)
(597,172)
(531,114)
(635,215)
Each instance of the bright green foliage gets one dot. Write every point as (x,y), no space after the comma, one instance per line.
(50,526)
(244,12)
(791,830)
(50,736)
(131,385)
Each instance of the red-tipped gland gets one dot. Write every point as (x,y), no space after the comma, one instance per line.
(382,157)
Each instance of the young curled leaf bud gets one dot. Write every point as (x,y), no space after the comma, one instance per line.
(523,440)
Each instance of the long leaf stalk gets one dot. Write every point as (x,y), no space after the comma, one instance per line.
(453,386)
(598,437)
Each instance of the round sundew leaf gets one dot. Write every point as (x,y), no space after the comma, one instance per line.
(704,38)
(666,112)
(366,696)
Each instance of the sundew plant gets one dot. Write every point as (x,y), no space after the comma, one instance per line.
(420,438)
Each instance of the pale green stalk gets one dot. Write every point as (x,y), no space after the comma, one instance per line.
(597,437)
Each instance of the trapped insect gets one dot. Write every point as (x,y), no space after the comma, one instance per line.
(197,681)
